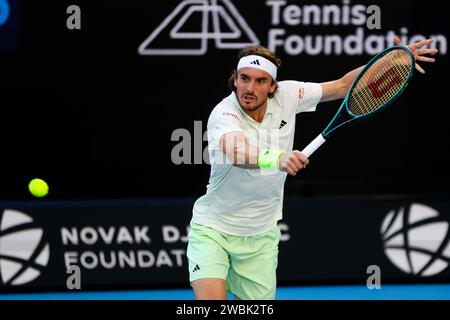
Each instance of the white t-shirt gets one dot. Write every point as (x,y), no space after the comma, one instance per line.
(247,202)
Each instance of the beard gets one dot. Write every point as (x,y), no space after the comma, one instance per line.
(250,102)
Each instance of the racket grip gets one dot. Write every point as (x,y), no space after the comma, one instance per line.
(313,146)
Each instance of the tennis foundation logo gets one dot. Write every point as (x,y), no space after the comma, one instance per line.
(310,28)
(417,240)
(23,252)
(217,20)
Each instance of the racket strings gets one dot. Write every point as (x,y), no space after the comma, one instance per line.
(380,83)
(376,88)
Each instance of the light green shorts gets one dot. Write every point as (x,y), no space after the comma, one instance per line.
(248,264)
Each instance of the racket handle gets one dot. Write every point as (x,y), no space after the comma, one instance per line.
(314,145)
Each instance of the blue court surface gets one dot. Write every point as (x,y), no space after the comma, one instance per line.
(387,292)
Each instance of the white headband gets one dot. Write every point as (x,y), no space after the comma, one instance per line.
(258,62)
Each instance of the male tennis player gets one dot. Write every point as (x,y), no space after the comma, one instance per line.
(233,241)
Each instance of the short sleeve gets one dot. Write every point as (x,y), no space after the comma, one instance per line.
(304,95)
(222,121)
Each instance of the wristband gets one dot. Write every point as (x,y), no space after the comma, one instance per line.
(268,158)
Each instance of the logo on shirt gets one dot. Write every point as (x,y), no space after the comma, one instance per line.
(282,124)
(196,268)
(232,115)
(301,93)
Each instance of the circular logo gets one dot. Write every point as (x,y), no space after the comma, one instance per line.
(416,240)
(23,252)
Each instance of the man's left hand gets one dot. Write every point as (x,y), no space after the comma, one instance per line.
(419,53)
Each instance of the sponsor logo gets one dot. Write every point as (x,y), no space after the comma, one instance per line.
(301,93)
(293,27)
(232,115)
(210,14)
(417,240)
(23,252)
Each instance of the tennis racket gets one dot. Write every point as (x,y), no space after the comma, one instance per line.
(376,87)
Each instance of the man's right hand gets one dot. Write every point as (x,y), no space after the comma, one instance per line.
(292,162)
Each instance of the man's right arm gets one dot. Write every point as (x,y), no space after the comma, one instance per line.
(243,155)
(239,151)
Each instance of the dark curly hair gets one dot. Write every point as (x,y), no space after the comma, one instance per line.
(259,51)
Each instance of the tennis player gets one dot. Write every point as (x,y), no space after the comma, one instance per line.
(233,240)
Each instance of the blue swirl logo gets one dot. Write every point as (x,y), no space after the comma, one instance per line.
(4,12)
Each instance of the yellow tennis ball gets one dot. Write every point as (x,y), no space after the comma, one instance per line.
(38,188)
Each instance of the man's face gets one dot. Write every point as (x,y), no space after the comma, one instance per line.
(252,88)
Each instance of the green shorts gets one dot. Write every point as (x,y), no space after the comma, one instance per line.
(248,264)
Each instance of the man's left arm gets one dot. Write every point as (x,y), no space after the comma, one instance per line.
(337,89)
